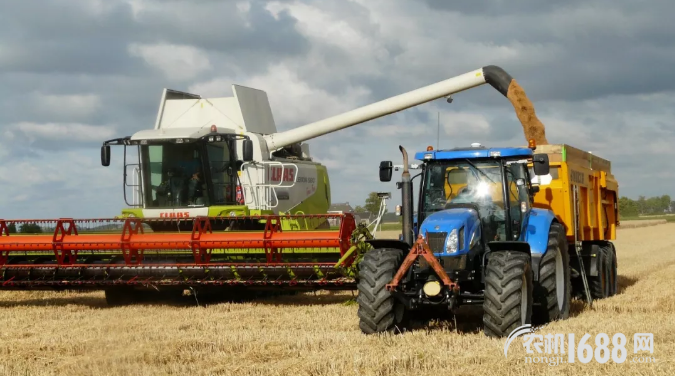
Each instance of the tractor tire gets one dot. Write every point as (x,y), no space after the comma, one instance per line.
(508,293)
(599,285)
(552,293)
(379,311)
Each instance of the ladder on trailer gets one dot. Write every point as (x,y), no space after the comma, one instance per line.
(577,245)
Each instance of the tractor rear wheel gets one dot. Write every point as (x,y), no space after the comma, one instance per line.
(553,290)
(379,311)
(508,293)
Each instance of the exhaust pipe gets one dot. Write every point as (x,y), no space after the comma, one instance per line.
(407,204)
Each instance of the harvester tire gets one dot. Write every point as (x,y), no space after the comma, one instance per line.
(379,311)
(553,291)
(508,293)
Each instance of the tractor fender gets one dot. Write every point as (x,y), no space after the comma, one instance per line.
(536,233)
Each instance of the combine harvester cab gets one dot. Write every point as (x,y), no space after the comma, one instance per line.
(208,157)
(519,230)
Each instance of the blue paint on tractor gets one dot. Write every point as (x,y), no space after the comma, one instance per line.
(473,153)
(537,228)
(450,219)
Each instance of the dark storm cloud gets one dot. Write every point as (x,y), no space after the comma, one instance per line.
(82,49)
(596,48)
(73,38)
(500,7)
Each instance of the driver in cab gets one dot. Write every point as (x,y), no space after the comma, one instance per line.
(478,192)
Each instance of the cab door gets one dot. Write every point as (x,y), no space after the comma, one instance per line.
(518,198)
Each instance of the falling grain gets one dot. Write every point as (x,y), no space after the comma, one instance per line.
(532,127)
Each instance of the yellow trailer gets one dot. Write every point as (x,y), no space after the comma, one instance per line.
(582,192)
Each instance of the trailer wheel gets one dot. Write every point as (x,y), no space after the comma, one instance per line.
(508,293)
(610,266)
(615,280)
(599,285)
(553,290)
(379,311)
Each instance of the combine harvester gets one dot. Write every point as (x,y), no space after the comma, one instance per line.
(222,202)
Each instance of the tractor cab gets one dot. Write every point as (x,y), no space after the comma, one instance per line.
(469,197)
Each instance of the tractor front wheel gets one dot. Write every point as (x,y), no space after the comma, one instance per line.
(379,311)
(508,293)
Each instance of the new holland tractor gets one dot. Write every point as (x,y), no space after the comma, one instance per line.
(508,228)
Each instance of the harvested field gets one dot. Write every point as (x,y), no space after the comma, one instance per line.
(47,333)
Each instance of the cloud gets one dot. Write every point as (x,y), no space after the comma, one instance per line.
(292,99)
(175,61)
(77,73)
(61,132)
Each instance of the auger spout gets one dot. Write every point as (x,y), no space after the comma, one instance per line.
(493,75)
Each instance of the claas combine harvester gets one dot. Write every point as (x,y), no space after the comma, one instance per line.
(220,202)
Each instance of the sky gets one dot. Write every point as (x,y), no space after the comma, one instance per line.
(75,73)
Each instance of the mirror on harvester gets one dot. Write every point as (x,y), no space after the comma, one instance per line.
(541,164)
(386,168)
(247,150)
(105,155)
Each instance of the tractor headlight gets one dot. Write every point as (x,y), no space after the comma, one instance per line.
(452,243)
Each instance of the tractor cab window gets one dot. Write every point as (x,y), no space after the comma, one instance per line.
(518,191)
(478,183)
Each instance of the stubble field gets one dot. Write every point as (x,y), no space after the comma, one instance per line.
(46,333)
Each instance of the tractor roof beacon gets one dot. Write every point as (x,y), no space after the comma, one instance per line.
(485,233)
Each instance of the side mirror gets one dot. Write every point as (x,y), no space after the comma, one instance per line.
(541,164)
(105,155)
(386,168)
(247,150)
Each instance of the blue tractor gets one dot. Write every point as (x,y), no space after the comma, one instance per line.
(476,239)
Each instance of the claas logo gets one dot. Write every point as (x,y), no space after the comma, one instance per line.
(175,215)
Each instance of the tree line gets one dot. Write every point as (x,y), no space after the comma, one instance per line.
(26,228)
(645,206)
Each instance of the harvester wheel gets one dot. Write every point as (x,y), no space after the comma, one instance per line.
(379,311)
(508,293)
(553,290)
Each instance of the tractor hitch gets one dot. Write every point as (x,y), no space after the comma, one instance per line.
(421,248)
